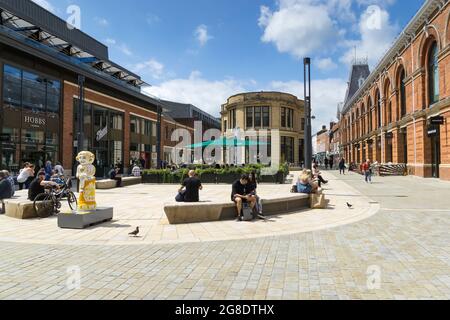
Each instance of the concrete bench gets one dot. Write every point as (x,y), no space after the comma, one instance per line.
(183,212)
(19,209)
(105,184)
(111,184)
(131,181)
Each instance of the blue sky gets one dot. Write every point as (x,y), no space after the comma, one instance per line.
(203,51)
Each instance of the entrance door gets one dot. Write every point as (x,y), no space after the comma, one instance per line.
(435,154)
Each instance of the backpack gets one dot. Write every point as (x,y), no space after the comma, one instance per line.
(247,212)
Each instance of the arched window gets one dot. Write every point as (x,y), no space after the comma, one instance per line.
(433,74)
(389,113)
(402,94)
(370,114)
(378,102)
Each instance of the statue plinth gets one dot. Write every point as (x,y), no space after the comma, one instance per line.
(87,213)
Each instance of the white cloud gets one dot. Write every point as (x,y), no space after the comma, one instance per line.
(377,34)
(124,49)
(326,94)
(300,27)
(201,34)
(152,18)
(151,67)
(110,41)
(205,94)
(46,5)
(210,95)
(326,64)
(102,21)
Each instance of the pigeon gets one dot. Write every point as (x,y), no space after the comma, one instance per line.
(349,205)
(135,232)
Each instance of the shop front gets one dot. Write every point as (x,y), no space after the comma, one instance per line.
(30,119)
(103,135)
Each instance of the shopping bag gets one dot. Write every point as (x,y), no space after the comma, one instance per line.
(318,201)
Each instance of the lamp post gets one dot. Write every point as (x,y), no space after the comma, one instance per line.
(80,137)
(158,137)
(308,130)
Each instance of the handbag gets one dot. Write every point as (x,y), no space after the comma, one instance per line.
(294,189)
(318,201)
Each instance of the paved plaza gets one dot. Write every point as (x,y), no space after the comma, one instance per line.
(394,244)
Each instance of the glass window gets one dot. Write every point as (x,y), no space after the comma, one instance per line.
(53,96)
(34,90)
(249,121)
(257,117)
(378,100)
(32,137)
(12,86)
(116,120)
(147,128)
(266,117)
(283,117)
(433,74)
(402,94)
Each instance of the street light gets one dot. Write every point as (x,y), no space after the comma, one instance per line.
(308,133)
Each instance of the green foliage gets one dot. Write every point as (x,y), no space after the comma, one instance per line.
(168,176)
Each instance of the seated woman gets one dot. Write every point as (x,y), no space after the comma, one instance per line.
(305,184)
(318,175)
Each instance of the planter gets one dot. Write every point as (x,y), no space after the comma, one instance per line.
(151,178)
(228,178)
(208,178)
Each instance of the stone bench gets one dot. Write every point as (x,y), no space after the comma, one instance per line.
(105,184)
(19,209)
(131,181)
(111,184)
(183,212)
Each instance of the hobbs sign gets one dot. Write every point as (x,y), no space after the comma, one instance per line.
(35,121)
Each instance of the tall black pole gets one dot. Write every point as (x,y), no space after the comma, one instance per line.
(308,130)
(158,138)
(80,137)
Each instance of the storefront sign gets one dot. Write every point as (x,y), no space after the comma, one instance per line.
(102,133)
(439,120)
(35,122)
(432,131)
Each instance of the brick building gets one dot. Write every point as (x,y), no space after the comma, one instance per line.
(400,112)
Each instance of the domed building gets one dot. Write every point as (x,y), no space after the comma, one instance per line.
(279,115)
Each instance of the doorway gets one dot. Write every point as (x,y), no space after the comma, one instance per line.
(435,153)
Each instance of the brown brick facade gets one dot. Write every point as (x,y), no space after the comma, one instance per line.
(359,125)
(71,91)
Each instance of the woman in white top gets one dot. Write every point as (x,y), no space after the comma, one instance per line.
(25,176)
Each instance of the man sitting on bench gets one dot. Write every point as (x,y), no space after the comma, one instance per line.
(238,195)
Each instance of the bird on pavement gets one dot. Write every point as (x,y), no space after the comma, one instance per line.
(135,232)
(349,205)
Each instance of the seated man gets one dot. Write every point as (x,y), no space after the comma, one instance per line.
(239,196)
(192,186)
(5,188)
(38,186)
(114,175)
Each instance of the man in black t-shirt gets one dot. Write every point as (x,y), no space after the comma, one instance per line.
(240,196)
(38,186)
(191,185)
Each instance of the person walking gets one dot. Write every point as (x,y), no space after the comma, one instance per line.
(342,166)
(326,163)
(331,163)
(367,170)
